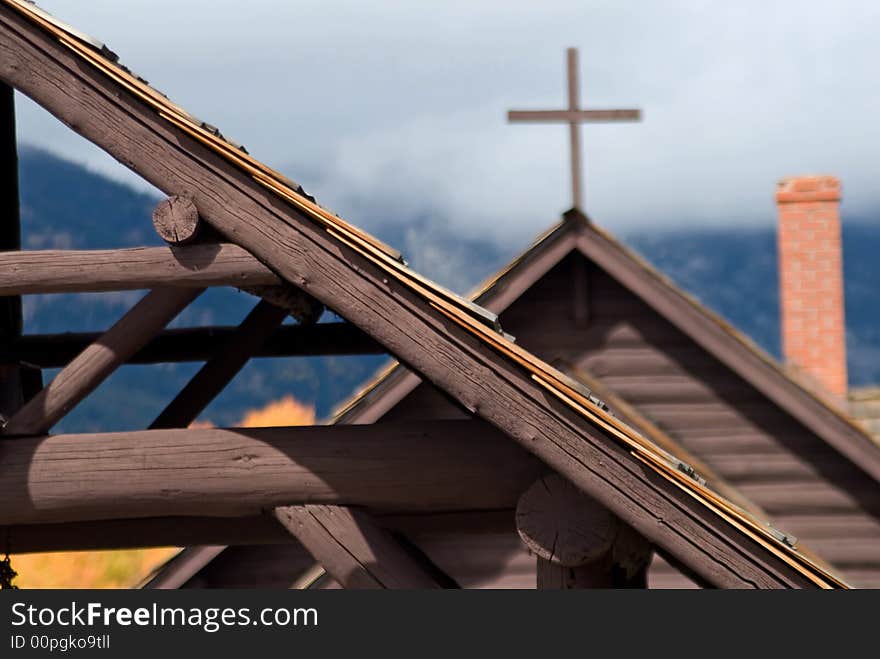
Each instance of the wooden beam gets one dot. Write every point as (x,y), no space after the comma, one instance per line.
(199,344)
(353,549)
(578,543)
(95,271)
(214,472)
(576,116)
(218,371)
(10,239)
(254,529)
(306,255)
(97,362)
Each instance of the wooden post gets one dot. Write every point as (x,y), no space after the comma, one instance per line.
(353,549)
(97,362)
(576,539)
(10,239)
(218,371)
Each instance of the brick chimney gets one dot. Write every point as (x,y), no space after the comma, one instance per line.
(811,281)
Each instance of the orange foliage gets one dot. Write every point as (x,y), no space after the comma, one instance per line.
(88,569)
(284,412)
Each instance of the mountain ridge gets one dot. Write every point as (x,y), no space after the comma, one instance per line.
(65,206)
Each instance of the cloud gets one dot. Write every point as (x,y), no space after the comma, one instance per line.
(403,104)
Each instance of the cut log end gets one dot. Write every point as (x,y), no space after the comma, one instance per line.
(562,525)
(176,220)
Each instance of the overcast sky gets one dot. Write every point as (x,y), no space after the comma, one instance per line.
(405,101)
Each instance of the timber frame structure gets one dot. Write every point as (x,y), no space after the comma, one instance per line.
(565,298)
(328,487)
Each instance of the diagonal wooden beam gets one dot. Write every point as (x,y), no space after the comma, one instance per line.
(97,362)
(389,307)
(218,371)
(353,549)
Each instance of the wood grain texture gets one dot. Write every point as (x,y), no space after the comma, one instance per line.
(307,257)
(353,549)
(85,271)
(562,525)
(176,220)
(215,472)
(97,362)
(199,344)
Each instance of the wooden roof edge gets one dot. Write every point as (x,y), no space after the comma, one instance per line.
(495,293)
(732,348)
(713,480)
(304,244)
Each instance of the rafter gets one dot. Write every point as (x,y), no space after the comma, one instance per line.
(98,361)
(219,371)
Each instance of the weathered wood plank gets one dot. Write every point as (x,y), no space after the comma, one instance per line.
(199,344)
(217,372)
(92,366)
(356,288)
(87,271)
(155,473)
(353,549)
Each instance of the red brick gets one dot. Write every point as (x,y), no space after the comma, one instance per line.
(811,279)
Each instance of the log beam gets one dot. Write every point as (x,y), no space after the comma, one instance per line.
(256,529)
(218,371)
(199,344)
(97,362)
(176,220)
(96,271)
(353,549)
(455,465)
(578,543)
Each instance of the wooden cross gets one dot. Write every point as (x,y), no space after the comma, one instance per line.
(574,116)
